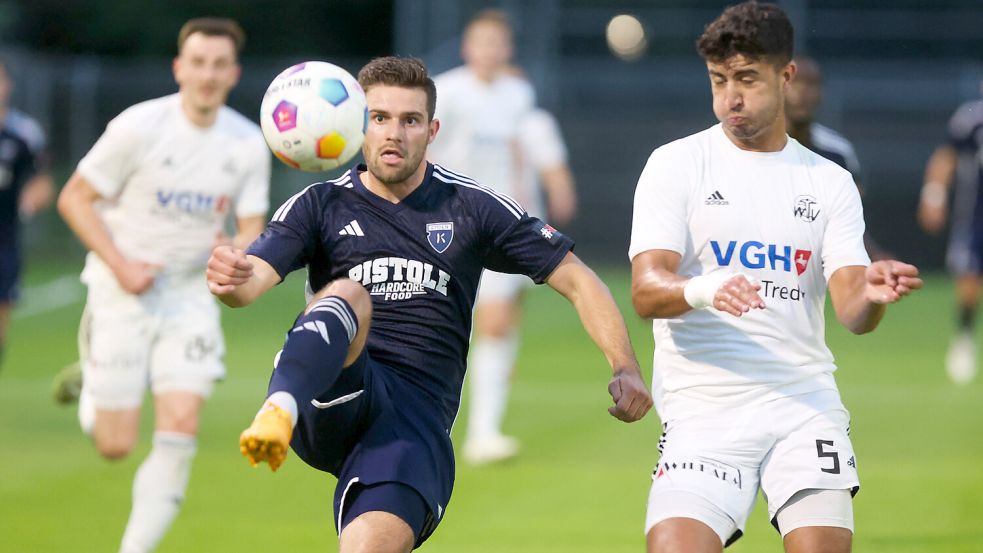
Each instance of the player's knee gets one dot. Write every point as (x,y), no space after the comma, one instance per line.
(113,448)
(353,293)
(496,320)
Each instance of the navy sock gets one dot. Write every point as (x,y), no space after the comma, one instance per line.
(315,350)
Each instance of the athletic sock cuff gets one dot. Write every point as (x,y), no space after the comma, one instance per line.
(338,307)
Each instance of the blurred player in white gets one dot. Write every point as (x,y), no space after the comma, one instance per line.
(738,231)
(149,201)
(805,94)
(482,106)
(25,189)
(959,159)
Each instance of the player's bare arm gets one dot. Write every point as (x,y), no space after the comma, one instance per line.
(603,322)
(37,195)
(561,195)
(933,206)
(248,229)
(76,203)
(658,292)
(861,295)
(237,279)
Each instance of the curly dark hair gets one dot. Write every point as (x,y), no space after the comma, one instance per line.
(750,29)
(401,72)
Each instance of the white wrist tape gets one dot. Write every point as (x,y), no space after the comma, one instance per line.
(700,290)
(935,194)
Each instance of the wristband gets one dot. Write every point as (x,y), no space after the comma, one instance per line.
(934,194)
(700,290)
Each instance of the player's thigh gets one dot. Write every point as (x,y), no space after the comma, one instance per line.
(683,535)
(118,334)
(188,352)
(708,472)
(817,455)
(817,521)
(497,308)
(115,431)
(384,517)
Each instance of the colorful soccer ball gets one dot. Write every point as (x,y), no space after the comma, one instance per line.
(314,116)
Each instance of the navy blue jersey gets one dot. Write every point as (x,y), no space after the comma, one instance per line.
(420,260)
(19,155)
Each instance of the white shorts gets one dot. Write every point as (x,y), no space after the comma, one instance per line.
(784,446)
(501,286)
(169,337)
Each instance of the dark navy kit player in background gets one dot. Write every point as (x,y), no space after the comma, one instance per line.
(369,380)
(25,189)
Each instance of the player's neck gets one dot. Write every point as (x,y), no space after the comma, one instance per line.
(201,118)
(772,139)
(394,192)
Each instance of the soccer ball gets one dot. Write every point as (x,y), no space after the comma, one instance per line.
(314,116)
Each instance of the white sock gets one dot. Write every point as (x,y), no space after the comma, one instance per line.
(158,490)
(490,371)
(284,400)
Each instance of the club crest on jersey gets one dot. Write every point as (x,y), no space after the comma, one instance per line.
(440,235)
(802,260)
(806,208)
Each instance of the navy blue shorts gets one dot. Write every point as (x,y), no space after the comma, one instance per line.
(9,275)
(373,427)
(392,497)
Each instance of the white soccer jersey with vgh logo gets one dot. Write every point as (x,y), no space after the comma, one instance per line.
(169,185)
(790,219)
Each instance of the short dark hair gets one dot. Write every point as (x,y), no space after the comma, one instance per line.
(212,26)
(750,29)
(491,15)
(401,72)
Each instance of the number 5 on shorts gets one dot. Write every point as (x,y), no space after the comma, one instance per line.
(832,454)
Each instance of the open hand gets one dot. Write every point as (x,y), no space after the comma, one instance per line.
(888,281)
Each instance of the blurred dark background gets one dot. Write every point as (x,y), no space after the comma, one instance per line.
(895,70)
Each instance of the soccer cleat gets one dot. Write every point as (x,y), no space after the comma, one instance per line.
(960,362)
(268,437)
(67,385)
(490,449)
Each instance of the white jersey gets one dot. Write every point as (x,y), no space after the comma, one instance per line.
(480,126)
(542,149)
(170,185)
(790,219)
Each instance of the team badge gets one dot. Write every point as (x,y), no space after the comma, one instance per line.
(806,208)
(802,260)
(440,235)
(548,232)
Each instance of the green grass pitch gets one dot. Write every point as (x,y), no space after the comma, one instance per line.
(580,484)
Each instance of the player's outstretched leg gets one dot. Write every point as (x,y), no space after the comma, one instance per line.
(328,336)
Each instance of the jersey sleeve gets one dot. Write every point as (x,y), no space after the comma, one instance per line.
(962,128)
(542,142)
(113,158)
(254,195)
(518,243)
(661,206)
(843,240)
(291,237)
